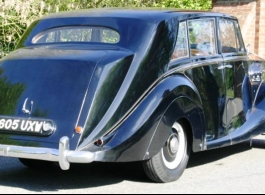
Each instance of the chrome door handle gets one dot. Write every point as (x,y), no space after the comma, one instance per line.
(224,67)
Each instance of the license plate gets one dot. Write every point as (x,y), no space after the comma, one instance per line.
(27,126)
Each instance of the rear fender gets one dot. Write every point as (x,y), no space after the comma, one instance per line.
(146,129)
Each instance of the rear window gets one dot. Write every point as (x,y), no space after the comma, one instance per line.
(78,34)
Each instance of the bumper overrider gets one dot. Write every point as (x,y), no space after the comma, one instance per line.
(62,155)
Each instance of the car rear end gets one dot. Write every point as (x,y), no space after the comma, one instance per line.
(42,95)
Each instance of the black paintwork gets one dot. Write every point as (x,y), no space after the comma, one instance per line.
(128,94)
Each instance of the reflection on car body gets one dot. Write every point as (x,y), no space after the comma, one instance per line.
(256,72)
(129,85)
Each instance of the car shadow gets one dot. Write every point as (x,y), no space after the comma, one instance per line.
(202,158)
(210,156)
(13,174)
(78,177)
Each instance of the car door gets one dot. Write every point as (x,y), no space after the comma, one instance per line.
(207,75)
(235,63)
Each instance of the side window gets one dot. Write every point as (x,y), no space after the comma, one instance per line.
(230,41)
(202,37)
(181,49)
(240,41)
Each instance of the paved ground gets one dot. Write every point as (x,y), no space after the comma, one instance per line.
(231,170)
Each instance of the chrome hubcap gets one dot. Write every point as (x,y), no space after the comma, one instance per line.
(174,150)
(174,144)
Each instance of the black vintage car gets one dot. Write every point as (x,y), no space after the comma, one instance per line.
(129,85)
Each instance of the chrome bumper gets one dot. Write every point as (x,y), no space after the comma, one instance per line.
(64,156)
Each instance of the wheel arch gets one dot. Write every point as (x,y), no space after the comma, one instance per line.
(187,126)
(190,116)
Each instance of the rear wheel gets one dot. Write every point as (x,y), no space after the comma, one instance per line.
(36,164)
(169,164)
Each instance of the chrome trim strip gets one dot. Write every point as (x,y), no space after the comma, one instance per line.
(64,156)
(237,58)
(192,65)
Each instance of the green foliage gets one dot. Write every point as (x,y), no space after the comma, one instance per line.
(9,96)
(63,5)
(188,4)
(16,15)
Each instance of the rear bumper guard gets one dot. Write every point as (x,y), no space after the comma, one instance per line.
(63,155)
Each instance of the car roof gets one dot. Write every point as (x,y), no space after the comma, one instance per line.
(147,14)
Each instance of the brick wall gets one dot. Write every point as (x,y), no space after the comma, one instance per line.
(251,15)
(261,30)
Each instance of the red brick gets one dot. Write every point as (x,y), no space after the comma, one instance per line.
(251,15)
